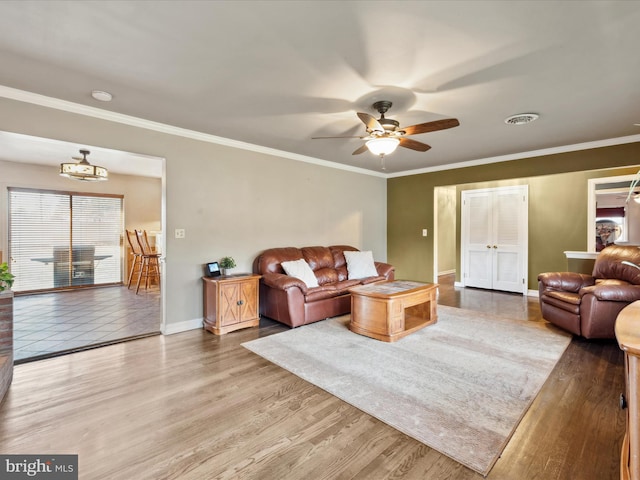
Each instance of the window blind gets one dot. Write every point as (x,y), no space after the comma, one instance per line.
(63,239)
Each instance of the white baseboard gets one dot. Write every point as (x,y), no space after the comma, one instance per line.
(447,272)
(529,293)
(197,323)
(179,327)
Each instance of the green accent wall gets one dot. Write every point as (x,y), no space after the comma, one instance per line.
(557,206)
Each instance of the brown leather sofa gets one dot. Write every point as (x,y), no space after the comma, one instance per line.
(288,299)
(587,305)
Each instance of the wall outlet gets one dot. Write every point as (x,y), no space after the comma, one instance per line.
(180,233)
(424,232)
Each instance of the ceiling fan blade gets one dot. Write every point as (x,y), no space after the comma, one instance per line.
(431,126)
(371,123)
(345,136)
(413,145)
(360,150)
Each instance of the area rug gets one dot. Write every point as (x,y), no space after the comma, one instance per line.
(460,386)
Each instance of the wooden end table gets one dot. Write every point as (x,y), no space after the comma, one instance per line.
(389,311)
(231,302)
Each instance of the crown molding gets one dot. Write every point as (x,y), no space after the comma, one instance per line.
(99,113)
(519,156)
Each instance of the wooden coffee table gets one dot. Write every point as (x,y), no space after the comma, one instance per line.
(388,311)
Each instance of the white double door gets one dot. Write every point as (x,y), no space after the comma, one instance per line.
(494,238)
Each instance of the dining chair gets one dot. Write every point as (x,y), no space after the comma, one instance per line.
(137,256)
(150,261)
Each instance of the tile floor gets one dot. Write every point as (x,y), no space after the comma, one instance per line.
(50,323)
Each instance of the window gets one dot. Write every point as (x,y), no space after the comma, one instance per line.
(62,239)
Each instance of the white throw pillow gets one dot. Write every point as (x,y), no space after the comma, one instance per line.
(360,264)
(300,269)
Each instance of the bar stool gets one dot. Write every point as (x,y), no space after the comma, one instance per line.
(150,261)
(137,256)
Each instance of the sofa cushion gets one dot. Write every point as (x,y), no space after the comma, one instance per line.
(317,257)
(339,262)
(569,302)
(565,281)
(320,293)
(326,275)
(609,263)
(360,264)
(269,261)
(564,297)
(344,285)
(377,278)
(300,269)
(626,292)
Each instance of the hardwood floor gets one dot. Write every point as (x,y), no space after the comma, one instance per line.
(198,406)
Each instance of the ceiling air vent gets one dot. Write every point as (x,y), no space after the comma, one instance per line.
(521,118)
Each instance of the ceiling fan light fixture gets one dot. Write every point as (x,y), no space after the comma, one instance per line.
(385,134)
(382,145)
(521,118)
(83,170)
(389,124)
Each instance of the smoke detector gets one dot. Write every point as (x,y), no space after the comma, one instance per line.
(521,118)
(102,96)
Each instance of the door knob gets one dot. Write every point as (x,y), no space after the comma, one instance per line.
(495,246)
(488,246)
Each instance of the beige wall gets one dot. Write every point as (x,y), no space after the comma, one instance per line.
(230,201)
(446,229)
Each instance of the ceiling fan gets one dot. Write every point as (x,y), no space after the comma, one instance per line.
(385,134)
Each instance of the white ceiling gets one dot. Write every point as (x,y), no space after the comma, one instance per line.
(276,73)
(16,147)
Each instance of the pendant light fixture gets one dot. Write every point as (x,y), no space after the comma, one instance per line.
(83,170)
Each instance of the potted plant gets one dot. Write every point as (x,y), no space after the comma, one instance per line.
(6,278)
(6,329)
(227,263)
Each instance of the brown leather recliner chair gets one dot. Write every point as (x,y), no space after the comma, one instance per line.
(587,305)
